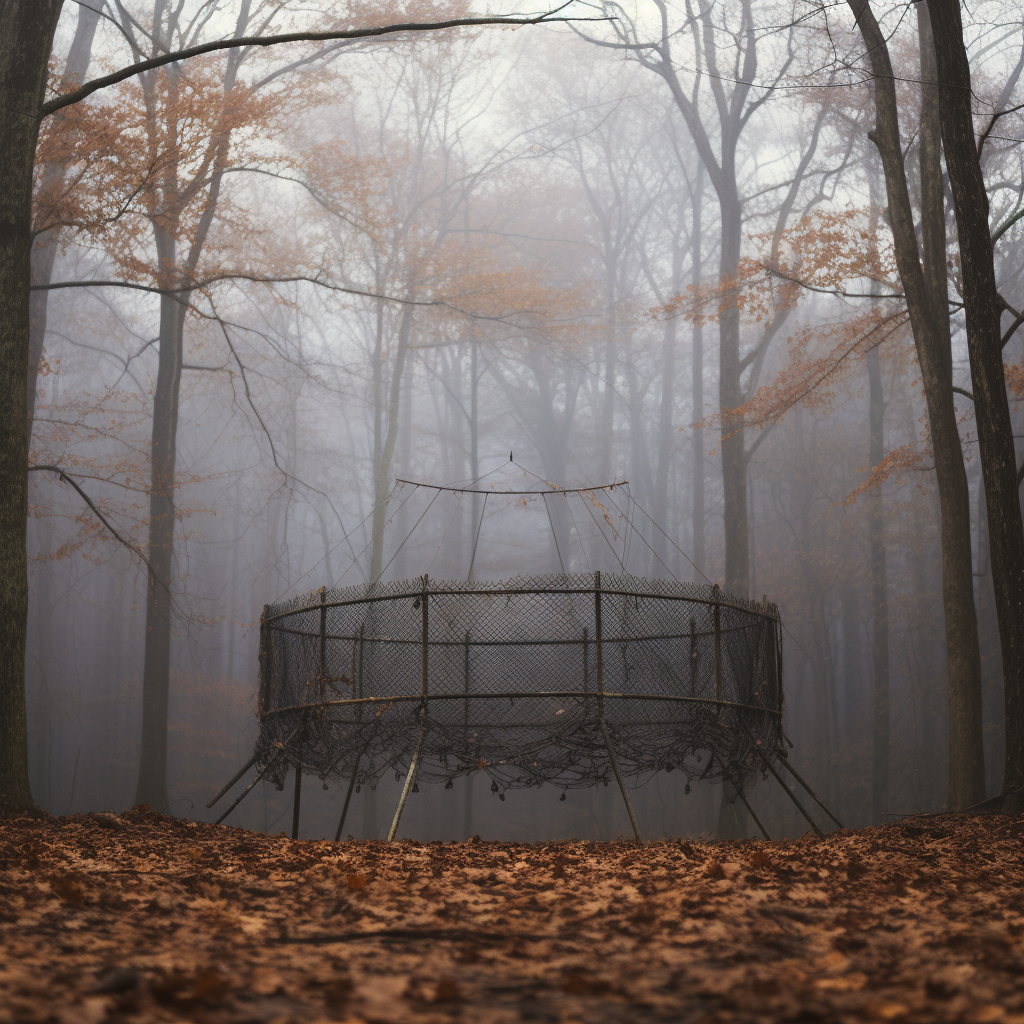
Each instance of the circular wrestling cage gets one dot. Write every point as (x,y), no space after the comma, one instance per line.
(570,680)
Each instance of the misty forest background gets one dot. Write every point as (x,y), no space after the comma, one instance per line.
(542,222)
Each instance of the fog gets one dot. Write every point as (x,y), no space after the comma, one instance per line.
(496,260)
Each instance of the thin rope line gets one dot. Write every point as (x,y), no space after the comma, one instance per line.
(627,540)
(671,541)
(554,534)
(386,523)
(600,531)
(645,541)
(458,505)
(579,536)
(407,536)
(355,558)
(476,539)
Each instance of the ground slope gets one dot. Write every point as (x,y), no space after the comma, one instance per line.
(146,918)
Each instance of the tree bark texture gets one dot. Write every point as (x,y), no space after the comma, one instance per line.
(983,308)
(28,27)
(927,304)
(879,602)
(383,474)
(45,244)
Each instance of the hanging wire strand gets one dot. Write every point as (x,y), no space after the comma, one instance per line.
(409,534)
(476,539)
(554,534)
(611,548)
(327,554)
(458,505)
(579,536)
(670,540)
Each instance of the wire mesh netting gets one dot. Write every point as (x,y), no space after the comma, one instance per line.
(515,679)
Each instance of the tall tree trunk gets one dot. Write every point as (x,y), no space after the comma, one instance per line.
(966,738)
(383,469)
(983,308)
(730,398)
(28,27)
(879,601)
(45,245)
(152,783)
(699,547)
(927,304)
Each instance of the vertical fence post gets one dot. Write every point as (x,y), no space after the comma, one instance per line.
(693,657)
(410,778)
(597,645)
(586,661)
(423,637)
(323,640)
(357,681)
(718,643)
(298,798)
(465,686)
(598,640)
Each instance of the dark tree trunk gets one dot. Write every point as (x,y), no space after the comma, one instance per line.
(879,603)
(28,27)
(699,550)
(152,783)
(983,309)
(45,245)
(927,303)
(730,398)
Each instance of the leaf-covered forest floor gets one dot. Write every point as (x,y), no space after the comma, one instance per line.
(147,918)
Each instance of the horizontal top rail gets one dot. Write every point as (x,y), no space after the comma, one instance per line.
(752,608)
(406,698)
(553,490)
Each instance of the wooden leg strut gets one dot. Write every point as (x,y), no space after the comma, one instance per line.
(409,780)
(241,771)
(348,798)
(295,806)
(618,778)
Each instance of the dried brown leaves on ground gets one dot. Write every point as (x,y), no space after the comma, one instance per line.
(146,918)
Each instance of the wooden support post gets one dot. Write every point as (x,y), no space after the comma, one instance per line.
(323,640)
(597,645)
(586,661)
(348,797)
(778,778)
(814,796)
(718,645)
(465,688)
(298,799)
(622,782)
(410,778)
(693,657)
(248,789)
(598,653)
(241,771)
(750,810)
(424,656)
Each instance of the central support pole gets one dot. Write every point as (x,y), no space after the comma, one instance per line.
(298,799)
(598,641)
(718,644)
(424,690)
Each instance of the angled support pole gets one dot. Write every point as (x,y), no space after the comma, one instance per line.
(410,778)
(241,771)
(768,764)
(248,789)
(298,799)
(814,796)
(348,798)
(598,653)
(750,811)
